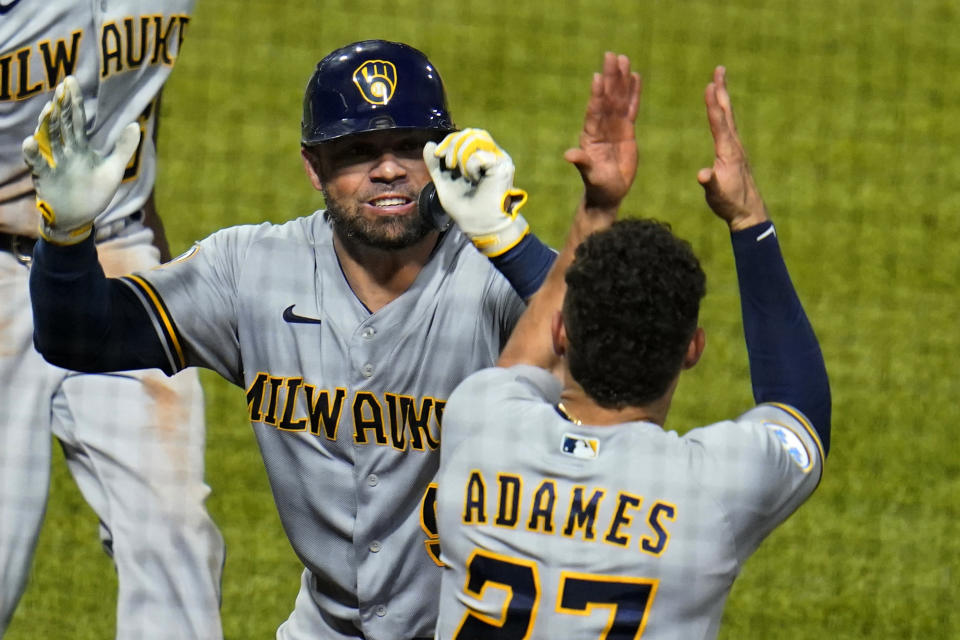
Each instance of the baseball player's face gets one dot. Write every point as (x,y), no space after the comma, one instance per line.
(371,182)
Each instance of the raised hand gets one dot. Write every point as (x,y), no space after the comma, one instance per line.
(474,180)
(74,183)
(729,186)
(607,155)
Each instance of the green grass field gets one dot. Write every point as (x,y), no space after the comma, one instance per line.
(849,111)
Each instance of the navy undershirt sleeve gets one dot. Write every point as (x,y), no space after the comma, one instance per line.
(786,364)
(526,265)
(85,321)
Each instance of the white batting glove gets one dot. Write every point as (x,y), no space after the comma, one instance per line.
(74,183)
(474,180)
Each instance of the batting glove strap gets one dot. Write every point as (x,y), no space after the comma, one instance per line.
(50,232)
(74,183)
(474,181)
(511,230)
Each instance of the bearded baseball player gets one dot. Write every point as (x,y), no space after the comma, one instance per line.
(348,328)
(133,441)
(565,509)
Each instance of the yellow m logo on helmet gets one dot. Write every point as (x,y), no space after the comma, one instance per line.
(377,80)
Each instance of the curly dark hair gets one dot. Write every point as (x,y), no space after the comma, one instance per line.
(631,307)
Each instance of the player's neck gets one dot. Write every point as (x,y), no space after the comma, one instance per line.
(379,276)
(579,408)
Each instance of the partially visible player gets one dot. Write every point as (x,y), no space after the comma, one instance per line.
(565,509)
(348,327)
(133,442)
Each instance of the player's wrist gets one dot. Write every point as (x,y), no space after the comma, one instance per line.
(497,242)
(59,235)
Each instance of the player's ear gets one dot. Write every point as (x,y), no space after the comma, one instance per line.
(695,349)
(559,334)
(310,162)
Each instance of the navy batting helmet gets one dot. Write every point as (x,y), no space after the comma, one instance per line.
(370,85)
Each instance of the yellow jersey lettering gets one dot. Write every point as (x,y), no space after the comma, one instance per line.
(582,517)
(368,416)
(161,50)
(255,397)
(182,22)
(58,62)
(621,519)
(25,90)
(287,423)
(474,500)
(111,49)
(279,405)
(322,413)
(5,88)
(657,544)
(508,502)
(136,47)
(541,511)
(428,522)
(271,415)
(419,422)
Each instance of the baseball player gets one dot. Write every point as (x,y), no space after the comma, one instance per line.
(565,509)
(133,441)
(348,328)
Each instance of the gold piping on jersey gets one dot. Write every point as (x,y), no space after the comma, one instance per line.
(160,311)
(806,425)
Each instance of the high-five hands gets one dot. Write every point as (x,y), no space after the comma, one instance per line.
(729,186)
(607,155)
(74,183)
(474,180)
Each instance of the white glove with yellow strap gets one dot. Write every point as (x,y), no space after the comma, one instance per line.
(474,181)
(74,183)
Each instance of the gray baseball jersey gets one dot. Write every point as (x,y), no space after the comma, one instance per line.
(133,441)
(554,530)
(346,404)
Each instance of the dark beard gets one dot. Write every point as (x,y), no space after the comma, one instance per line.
(389,233)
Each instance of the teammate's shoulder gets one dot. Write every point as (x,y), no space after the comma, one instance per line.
(767,429)
(295,230)
(496,385)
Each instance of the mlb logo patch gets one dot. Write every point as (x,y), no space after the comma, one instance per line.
(580,446)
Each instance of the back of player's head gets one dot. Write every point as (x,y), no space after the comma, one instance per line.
(373,85)
(631,307)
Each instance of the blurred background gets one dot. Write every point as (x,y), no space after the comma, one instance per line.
(849,113)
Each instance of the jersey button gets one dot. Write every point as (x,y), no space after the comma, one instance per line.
(366,370)
(373,480)
(375,546)
(381,610)
(369,332)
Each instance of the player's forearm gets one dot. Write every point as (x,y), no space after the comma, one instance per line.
(786,364)
(85,321)
(526,265)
